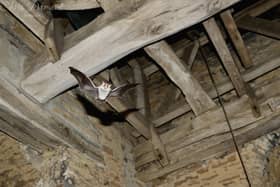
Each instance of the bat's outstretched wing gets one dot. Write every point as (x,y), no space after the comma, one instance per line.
(120,90)
(84,82)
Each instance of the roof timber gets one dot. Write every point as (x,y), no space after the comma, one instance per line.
(197,98)
(75,4)
(152,21)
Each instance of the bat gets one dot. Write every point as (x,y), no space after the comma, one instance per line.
(101,92)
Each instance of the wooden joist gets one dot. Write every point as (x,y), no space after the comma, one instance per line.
(236,38)
(31,17)
(249,75)
(210,134)
(75,4)
(181,76)
(95,51)
(260,26)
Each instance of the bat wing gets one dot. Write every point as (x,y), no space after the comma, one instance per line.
(84,82)
(120,90)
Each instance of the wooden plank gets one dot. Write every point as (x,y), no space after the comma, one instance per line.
(260,26)
(221,47)
(75,4)
(17,29)
(249,75)
(150,22)
(236,38)
(32,18)
(172,65)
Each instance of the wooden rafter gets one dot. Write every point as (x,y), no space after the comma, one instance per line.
(178,73)
(150,22)
(236,38)
(219,43)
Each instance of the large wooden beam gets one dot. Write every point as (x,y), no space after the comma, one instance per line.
(178,73)
(26,12)
(249,75)
(260,26)
(99,46)
(236,38)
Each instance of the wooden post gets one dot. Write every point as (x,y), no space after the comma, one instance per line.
(236,38)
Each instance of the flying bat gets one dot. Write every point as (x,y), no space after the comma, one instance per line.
(101,92)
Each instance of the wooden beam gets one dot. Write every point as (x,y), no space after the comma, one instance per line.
(32,18)
(17,29)
(75,4)
(236,38)
(249,75)
(260,26)
(150,22)
(221,47)
(143,102)
(172,65)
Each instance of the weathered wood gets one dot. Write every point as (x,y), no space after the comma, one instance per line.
(75,4)
(54,38)
(260,26)
(150,22)
(249,75)
(172,65)
(221,47)
(236,38)
(32,18)
(143,101)
(14,27)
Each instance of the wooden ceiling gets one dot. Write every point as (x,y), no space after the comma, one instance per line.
(137,35)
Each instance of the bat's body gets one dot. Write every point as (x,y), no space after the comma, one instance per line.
(101,92)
